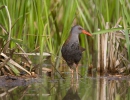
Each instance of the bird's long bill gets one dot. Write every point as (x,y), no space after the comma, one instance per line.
(85,32)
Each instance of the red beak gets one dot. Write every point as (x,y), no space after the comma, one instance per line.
(85,32)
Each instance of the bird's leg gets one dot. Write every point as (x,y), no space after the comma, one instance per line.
(72,73)
(77,71)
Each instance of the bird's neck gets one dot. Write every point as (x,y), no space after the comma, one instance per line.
(74,38)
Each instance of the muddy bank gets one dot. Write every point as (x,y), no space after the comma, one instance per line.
(11,81)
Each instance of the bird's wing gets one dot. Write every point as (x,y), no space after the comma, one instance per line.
(82,49)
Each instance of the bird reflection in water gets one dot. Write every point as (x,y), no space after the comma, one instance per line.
(72,93)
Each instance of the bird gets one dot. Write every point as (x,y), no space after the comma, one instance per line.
(72,94)
(71,50)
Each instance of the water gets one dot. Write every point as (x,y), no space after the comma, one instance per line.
(88,88)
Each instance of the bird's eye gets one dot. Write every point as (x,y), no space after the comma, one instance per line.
(80,28)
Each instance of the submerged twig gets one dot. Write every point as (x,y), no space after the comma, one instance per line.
(24,92)
(10,90)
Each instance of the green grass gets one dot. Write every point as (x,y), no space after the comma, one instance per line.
(45,24)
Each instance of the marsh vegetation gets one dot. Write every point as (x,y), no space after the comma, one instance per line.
(32,33)
(42,27)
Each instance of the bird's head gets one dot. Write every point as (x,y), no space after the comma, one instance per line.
(77,29)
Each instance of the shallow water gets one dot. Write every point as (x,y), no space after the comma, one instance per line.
(88,88)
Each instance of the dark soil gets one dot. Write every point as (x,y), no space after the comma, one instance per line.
(11,81)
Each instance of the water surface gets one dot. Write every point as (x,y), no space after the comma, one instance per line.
(87,88)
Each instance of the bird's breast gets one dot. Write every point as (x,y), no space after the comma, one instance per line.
(72,46)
